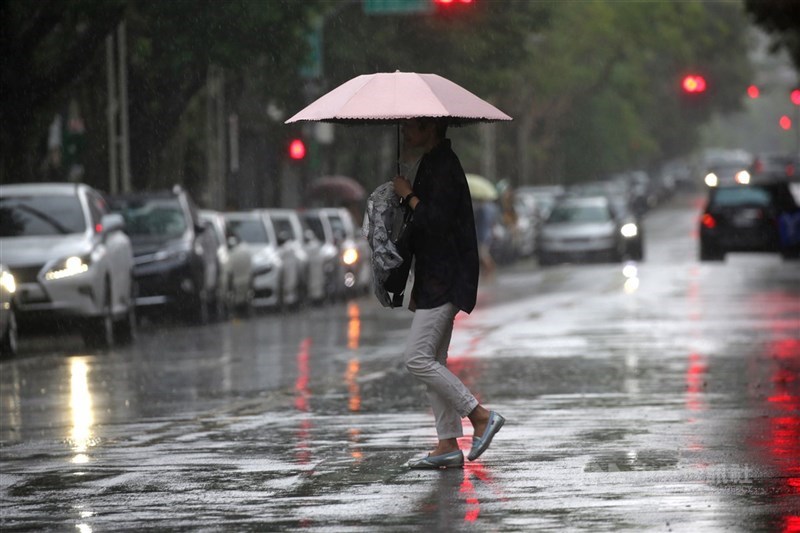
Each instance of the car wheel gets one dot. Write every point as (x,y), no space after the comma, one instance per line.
(544,260)
(710,253)
(98,332)
(125,327)
(8,347)
(790,255)
(200,312)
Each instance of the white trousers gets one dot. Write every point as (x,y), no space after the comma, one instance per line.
(426,360)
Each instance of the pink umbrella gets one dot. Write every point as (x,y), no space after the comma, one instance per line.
(391,97)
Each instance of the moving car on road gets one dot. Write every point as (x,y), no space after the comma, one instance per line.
(70,259)
(582,228)
(750,218)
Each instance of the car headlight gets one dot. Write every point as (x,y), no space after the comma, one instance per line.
(711,179)
(71,266)
(8,283)
(629,230)
(350,256)
(743,177)
(174,253)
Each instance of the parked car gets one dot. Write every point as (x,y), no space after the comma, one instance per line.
(175,258)
(295,234)
(235,269)
(9,333)
(581,228)
(71,261)
(355,271)
(750,218)
(276,270)
(321,227)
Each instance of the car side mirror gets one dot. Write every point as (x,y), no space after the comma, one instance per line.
(202,226)
(233,241)
(309,236)
(112,222)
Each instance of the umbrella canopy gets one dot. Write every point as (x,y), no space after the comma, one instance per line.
(390,97)
(481,188)
(336,189)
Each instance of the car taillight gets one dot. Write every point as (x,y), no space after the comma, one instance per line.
(790,170)
(708,221)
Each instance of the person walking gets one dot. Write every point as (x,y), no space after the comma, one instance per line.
(445,282)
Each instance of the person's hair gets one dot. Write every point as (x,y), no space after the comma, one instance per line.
(439,123)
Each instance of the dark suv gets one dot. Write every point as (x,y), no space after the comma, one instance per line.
(175,261)
(759,217)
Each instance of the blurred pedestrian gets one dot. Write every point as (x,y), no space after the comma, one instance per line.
(486,215)
(445,282)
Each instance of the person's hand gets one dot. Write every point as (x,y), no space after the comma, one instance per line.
(401,186)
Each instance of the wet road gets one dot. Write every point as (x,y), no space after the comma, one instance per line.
(665,399)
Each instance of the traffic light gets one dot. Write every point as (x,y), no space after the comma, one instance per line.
(753,91)
(297,149)
(693,84)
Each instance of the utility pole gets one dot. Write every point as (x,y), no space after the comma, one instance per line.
(215,137)
(119,164)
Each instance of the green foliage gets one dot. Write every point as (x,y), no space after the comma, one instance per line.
(593,86)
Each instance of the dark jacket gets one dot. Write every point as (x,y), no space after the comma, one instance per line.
(443,237)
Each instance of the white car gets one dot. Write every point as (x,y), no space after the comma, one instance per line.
(276,270)
(70,258)
(8,313)
(294,234)
(235,287)
(329,253)
(354,250)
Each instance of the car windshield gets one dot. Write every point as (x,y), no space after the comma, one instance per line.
(315,224)
(283,226)
(337,226)
(150,217)
(250,230)
(734,196)
(578,213)
(39,215)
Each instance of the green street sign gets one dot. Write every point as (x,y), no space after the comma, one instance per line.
(397,7)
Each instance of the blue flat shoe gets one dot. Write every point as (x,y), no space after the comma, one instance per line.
(446,460)
(481,444)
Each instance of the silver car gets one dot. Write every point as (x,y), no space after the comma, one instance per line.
(336,226)
(294,234)
(276,271)
(581,228)
(72,262)
(235,287)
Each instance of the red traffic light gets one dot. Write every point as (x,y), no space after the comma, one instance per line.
(795,96)
(694,83)
(297,149)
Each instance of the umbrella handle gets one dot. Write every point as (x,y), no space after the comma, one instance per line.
(398,148)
